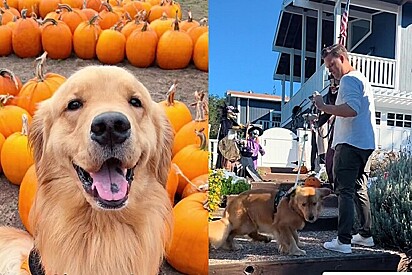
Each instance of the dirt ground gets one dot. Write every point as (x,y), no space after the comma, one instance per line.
(155,79)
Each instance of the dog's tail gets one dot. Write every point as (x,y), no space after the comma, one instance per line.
(218,231)
(15,246)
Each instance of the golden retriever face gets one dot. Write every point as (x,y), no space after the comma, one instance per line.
(101,127)
(308,201)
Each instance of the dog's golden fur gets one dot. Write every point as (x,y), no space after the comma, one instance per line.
(71,230)
(253,212)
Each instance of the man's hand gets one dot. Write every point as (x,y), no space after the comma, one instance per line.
(318,101)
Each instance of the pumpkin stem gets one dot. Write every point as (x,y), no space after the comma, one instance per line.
(176,23)
(201,188)
(24,13)
(53,21)
(202,136)
(25,127)
(4,99)
(93,19)
(189,16)
(127,17)
(171,94)
(201,106)
(107,6)
(39,67)
(12,76)
(203,21)
(144,28)
(84,6)
(65,6)
(5,5)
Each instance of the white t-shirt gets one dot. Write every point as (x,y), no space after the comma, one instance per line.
(358,131)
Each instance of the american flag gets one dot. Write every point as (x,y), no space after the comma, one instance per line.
(344,25)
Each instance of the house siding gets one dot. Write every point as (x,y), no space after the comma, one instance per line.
(405,69)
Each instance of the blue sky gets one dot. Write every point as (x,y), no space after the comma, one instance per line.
(240,46)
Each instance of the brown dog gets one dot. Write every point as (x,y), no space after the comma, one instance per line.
(102,152)
(253,212)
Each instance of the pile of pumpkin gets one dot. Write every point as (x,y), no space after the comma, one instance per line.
(143,32)
(188,248)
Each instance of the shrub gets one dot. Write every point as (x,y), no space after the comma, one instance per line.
(221,185)
(391,204)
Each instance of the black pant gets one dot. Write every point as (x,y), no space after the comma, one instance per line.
(350,181)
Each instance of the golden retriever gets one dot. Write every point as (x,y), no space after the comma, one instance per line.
(253,212)
(102,152)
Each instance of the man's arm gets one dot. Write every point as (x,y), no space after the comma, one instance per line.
(342,110)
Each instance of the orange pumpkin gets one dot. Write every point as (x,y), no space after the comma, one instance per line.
(189,22)
(157,11)
(161,25)
(39,88)
(187,134)
(3,139)
(10,84)
(174,50)
(16,156)
(71,16)
(197,31)
(197,183)
(26,29)
(141,47)
(5,45)
(47,6)
(312,181)
(75,4)
(27,192)
(56,39)
(172,182)
(188,251)
(177,112)
(11,3)
(192,161)
(201,52)
(110,46)
(133,7)
(93,4)
(32,7)
(108,17)
(8,13)
(10,117)
(131,26)
(85,38)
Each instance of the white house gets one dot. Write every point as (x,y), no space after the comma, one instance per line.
(380,46)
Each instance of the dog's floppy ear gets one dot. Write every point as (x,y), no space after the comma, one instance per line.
(37,131)
(160,162)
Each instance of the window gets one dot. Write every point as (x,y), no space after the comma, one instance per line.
(398,120)
(378,118)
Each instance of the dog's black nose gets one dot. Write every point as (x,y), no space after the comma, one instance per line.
(110,128)
(311,218)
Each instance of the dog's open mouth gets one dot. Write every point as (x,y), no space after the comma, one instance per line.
(109,186)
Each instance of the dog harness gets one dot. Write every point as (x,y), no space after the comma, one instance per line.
(32,263)
(282,194)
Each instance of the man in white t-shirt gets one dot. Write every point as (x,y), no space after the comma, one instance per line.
(353,142)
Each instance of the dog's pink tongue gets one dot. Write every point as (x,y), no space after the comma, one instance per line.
(110,185)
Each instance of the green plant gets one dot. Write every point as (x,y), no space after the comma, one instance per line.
(391,204)
(220,185)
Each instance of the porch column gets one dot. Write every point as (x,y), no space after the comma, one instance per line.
(303,50)
(337,11)
(319,38)
(291,72)
(283,90)
(398,47)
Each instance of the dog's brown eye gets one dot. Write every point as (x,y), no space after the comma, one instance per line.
(135,102)
(314,204)
(74,105)
(303,204)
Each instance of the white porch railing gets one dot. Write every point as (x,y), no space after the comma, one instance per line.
(379,71)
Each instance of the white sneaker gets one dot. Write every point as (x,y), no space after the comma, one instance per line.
(336,245)
(358,239)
